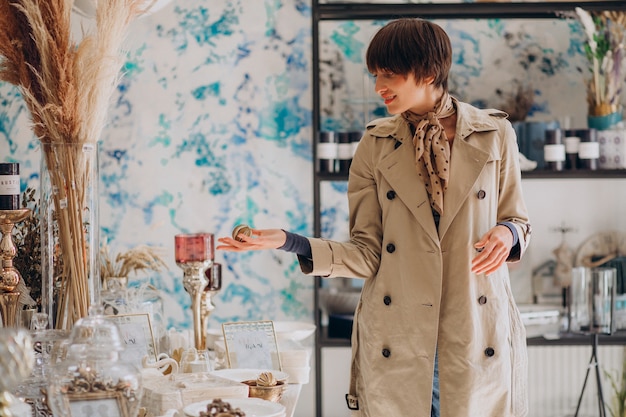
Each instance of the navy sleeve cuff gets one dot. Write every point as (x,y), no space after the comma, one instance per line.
(515,249)
(297,244)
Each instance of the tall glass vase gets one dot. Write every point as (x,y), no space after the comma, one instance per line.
(69,231)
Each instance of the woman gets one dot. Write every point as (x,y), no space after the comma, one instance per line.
(436,210)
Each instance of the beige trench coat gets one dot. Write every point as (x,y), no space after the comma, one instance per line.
(419,295)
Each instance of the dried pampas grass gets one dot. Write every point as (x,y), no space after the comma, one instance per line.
(138,259)
(67,87)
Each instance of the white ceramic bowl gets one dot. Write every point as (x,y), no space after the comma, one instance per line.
(295,331)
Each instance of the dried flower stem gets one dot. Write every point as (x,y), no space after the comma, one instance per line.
(139,258)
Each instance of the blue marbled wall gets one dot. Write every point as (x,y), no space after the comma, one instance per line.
(211,127)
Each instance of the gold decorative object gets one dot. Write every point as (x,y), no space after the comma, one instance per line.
(17,358)
(194,254)
(10,276)
(266,379)
(266,387)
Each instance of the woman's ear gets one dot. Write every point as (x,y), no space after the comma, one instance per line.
(429,80)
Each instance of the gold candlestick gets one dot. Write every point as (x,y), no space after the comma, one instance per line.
(195,282)
(9,276)
(194,255)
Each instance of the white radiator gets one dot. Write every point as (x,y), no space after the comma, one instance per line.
(556,375)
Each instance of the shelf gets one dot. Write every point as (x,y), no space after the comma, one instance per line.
(539,174)
(331,177)
(618,338)
(478,10)
(575,174)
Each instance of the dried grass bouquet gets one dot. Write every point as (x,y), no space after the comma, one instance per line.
(141,258)
(67,87)
(605,50)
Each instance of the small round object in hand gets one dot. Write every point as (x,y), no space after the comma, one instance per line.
(242,229)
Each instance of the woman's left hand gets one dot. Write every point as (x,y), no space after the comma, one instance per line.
(494,247)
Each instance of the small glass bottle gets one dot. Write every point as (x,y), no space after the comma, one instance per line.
(9,186)
(589,149)
(554,150)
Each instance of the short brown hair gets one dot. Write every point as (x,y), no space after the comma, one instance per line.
(415,46)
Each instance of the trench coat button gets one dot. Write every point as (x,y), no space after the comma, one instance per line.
(386,353)
(482,300)
(391,194)
(387,300)
(391,248)
(489,352)
(481,194)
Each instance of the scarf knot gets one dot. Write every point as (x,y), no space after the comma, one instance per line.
(432,149)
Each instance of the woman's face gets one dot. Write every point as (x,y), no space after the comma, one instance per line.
(402,93)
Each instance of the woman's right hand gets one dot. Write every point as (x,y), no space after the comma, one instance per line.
(260,239)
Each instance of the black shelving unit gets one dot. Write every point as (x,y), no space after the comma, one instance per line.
(480,10)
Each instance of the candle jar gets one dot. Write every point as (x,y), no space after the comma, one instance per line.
(572,144)
(554,150)
(327,152)
(588,149)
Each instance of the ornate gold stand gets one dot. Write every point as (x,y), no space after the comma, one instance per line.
(202,278)
(9,276)
(195,282)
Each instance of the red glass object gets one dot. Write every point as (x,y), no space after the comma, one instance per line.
(196,247)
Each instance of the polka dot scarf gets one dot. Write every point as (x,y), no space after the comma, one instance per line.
(432,150)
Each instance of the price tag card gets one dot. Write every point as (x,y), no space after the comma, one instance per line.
(137,336)
(251,345)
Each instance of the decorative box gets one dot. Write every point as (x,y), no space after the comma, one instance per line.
(165,393)
(612,148)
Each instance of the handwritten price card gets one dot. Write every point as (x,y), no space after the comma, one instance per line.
(251,345)
(137,337)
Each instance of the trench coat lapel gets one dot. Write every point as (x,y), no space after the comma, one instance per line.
(399,170)
(466,164)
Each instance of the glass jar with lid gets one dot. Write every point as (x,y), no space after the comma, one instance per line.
(94,379)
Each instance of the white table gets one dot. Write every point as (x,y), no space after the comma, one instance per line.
(289,399)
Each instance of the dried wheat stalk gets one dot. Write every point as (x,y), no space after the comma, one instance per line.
(137,259)
(67,88)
